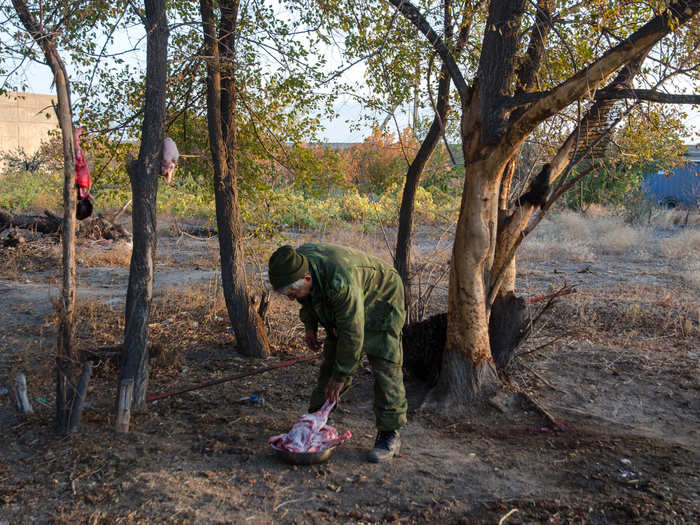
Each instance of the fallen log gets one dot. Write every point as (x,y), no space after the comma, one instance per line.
(48,224)
(96,228)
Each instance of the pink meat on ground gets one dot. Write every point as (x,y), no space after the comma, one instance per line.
(310,433)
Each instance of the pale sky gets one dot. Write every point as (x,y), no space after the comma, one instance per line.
(39,80)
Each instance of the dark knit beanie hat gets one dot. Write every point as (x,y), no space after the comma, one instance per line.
(286,266)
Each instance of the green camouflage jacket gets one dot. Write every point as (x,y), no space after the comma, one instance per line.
(358,299)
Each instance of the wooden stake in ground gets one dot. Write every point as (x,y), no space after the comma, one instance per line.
(126,393)
(21,397)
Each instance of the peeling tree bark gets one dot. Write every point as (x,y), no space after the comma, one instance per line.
(489,141)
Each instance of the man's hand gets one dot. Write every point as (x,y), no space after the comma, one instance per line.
(311,340)
(333,391)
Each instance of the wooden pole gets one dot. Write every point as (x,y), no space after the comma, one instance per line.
(126,393)
(21,397)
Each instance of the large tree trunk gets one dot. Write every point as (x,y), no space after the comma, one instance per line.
(144,174)
(251,336)
(492,132)
(467,371)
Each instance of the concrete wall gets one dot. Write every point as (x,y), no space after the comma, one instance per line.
(24,122)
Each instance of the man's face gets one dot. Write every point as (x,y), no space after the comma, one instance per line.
(300,293)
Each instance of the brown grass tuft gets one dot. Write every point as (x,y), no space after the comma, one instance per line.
(619,239)
(685,245)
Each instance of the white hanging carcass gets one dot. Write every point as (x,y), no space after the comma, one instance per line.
(169,160)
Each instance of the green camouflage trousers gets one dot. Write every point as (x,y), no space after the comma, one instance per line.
(389,394)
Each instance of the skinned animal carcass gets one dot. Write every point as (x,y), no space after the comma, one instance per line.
(169,159)
(311,433)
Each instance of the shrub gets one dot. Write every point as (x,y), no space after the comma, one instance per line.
(24,191)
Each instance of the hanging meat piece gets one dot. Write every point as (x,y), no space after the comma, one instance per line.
(169,159)
(82,180)
(82,172)
(311,433)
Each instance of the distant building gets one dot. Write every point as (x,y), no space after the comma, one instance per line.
(25,121)
(679,187)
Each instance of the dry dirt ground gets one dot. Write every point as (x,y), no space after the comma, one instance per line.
(615,364)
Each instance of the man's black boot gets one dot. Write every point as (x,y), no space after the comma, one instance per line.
(386,446)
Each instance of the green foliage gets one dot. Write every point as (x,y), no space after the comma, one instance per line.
(651,140)
(26,191)
(289,208)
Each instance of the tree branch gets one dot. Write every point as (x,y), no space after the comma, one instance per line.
(413,15)
(649,95)
(590,78)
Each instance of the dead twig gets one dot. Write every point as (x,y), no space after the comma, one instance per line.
(545,345)
(506,516)
(298,500)
(564,290)
(550,385)
(120,212)
(545,413)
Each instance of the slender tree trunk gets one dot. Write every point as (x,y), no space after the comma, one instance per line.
(404,236)
(144,186)
(402,260)
(66,331)
(251,336)
(65,354)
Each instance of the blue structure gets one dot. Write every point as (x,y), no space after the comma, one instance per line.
(681,187)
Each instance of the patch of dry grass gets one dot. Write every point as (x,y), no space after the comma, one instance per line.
(561,236)
(685,248)
(691,273)
(684,245)
(618,239)
(116,254)
(374,243)
(632,316)
(597,210)
(670,218)
(30,257)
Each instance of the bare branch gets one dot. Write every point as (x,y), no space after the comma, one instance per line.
(649,95)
